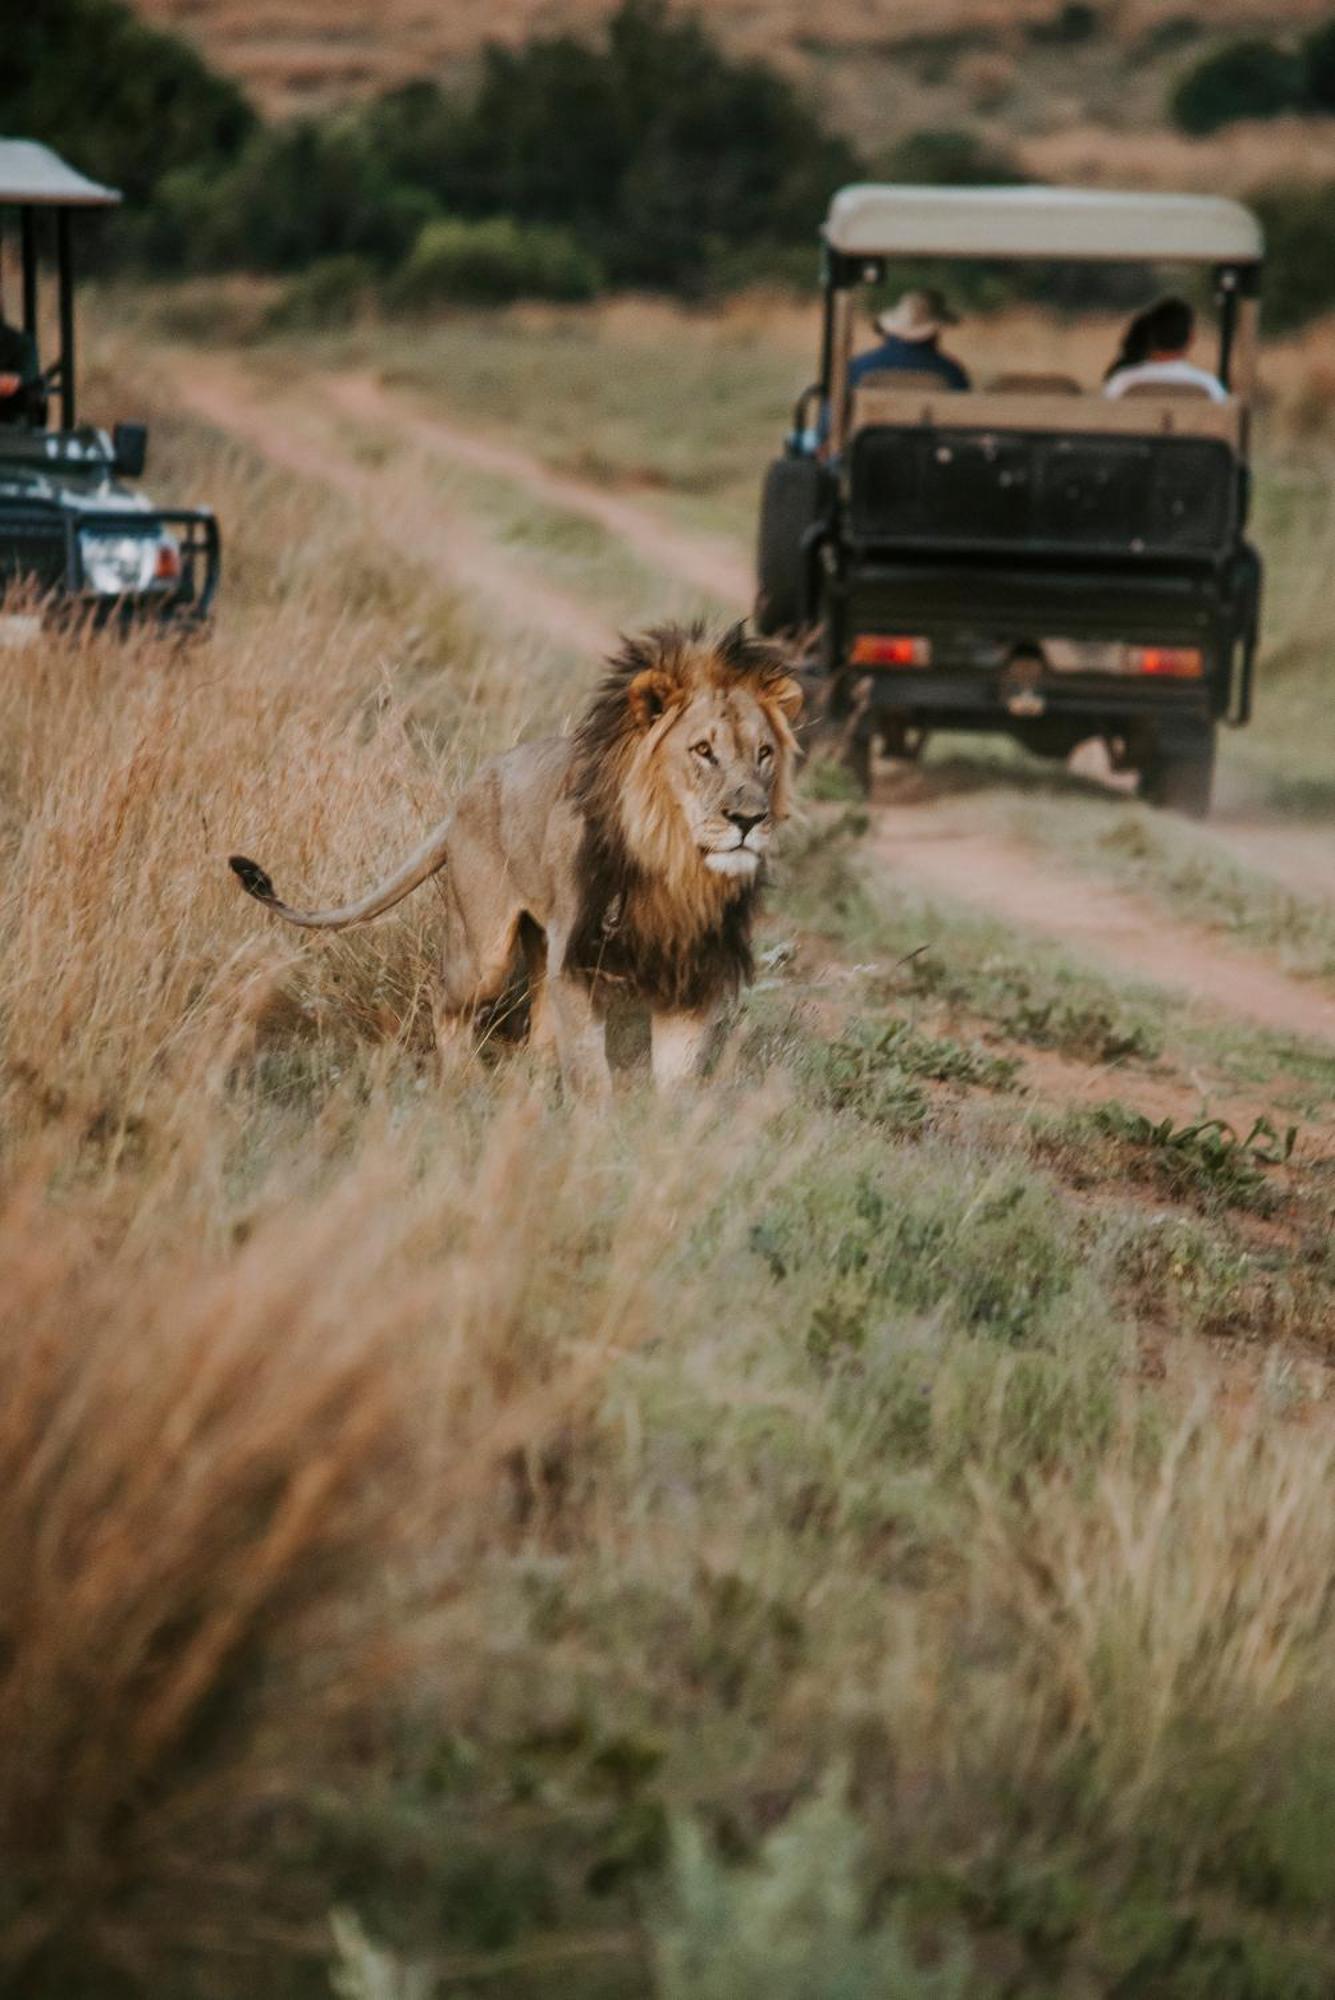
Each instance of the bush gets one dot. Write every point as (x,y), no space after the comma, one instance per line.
(490,263)
(1252,78)
(800,1920)
(1300,252)
(334,291)
(1070,24)
(298,192)
(1318,60)
(125,102)
(658,150)
(947,157)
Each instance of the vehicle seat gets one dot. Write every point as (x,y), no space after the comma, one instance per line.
(1175,392)
(913,379)
(1036,385)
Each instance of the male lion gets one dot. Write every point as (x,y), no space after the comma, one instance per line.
(622,859)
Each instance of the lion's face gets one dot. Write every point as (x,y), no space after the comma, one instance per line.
(688,749)
(720,757)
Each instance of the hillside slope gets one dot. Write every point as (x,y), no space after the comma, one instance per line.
(1062,76)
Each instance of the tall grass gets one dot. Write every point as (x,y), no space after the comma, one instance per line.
(457,1537)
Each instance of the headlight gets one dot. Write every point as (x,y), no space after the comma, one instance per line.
(120,565)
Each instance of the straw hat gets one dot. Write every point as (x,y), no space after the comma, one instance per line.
(919,315)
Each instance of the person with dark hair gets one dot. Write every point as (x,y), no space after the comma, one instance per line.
(1154,354)
(1133,350)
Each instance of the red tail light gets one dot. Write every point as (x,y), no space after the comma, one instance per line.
(1175,663)
(891,649)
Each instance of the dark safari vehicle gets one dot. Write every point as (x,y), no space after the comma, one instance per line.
(73,536)
(1034,556)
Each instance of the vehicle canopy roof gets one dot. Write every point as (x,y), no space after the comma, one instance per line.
(1094,224)
(34,176)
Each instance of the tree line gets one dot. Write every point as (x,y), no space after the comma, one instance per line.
(647,157)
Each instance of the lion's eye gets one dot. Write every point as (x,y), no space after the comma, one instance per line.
(703,749)
(764,754)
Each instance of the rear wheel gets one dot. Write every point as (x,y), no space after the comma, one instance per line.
(859,757)
(794,500)
(1179,775)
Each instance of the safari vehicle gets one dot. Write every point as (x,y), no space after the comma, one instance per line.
(74,537)
(1029,556)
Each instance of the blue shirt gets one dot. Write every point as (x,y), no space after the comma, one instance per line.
(908,357)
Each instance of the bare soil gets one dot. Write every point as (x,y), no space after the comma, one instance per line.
(940,844)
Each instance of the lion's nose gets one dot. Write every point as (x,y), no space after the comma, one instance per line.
(744,821)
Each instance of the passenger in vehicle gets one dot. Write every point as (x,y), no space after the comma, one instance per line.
(1154,353)
(910,332)
(19,372)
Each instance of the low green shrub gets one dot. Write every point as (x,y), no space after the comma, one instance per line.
(1208,1161)
(949,156)
(986,1251)
(490,263)
(876,1070)
(797,1921)
(1300,251)
(334,291)
(299,192)
(1318,60)
(1069,24)
(1047,1012)
(1250,78)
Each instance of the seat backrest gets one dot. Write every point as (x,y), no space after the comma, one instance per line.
(1175,392)
(1036,385)
(903,378)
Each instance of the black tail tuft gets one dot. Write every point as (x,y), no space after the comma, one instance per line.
(252,878)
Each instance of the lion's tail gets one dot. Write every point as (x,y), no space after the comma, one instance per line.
(429,857)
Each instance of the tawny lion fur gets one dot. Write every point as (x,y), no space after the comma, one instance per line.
(624,858)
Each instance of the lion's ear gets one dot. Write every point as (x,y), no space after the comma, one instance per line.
(648,695)
(788,698)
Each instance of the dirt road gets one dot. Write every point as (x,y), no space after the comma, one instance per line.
(706,562)
(402,503)
(931,841)
(937,844)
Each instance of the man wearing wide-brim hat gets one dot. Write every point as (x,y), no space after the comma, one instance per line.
(910,332)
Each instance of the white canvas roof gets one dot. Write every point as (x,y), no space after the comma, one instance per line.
(878,220)
(33,173)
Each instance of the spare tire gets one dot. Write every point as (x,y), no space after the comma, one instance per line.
(795,499)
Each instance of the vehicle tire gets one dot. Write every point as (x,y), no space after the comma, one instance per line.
(794,499)
(859,758)
(1180,774)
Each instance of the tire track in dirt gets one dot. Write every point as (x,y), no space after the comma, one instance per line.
(400,502)
(938,847)
(708,563)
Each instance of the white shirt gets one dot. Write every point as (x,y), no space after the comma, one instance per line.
(1152,372)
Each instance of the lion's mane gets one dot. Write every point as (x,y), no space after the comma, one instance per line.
(652,920)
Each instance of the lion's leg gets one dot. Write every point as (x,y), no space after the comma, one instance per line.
(541,1026)
(454,1042)
(477,957)
(581,1040)
(679,1046)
